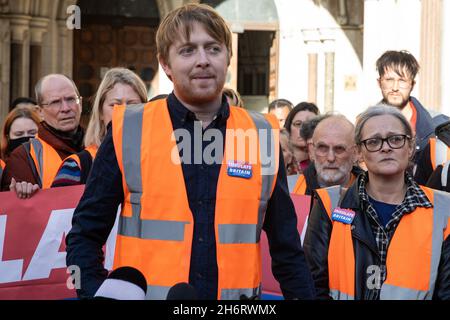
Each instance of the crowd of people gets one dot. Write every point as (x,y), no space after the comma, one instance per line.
(379,223)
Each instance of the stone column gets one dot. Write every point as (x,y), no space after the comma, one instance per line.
(64,48)
(20,55)
(312,77)
(329,81)
(430,54)
(5,51)
(38,28)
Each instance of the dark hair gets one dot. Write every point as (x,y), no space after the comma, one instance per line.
(398,61)
(302,106)
(308,127)
(280,103)
(25,100)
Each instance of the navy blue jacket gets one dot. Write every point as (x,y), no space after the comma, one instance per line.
(95,214)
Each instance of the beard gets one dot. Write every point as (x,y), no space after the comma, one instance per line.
(333,177)
(399,102)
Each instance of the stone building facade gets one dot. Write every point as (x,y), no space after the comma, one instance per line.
(322,51)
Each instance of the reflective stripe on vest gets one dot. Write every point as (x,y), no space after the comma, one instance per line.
(300,185)
(417,242)
(46,161)
(444,173)
(292,181)
(394,288)
(341,261)
(439,152)
(156,223)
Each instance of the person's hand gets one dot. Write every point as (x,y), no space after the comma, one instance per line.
(23,190)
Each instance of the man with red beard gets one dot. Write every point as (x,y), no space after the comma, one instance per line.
(182,221)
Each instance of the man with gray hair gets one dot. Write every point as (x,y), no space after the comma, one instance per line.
(34,165)
(332,151)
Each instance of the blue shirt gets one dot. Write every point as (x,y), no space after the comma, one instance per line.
(384,210)
(95,214)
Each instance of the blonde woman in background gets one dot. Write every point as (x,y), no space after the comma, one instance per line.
(119,86)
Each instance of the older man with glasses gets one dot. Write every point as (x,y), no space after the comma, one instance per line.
(332,151)
(34,165)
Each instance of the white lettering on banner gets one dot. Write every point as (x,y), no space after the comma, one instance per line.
(11,270)
(47,255)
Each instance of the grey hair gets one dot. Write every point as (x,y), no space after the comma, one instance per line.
(379,110)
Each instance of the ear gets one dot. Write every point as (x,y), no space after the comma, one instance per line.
(166,67)
(39,111)
(358,155)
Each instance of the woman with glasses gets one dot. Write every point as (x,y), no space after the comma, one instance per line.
(299,114)
(385,237)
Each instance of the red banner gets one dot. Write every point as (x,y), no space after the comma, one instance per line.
(302,206)
(32,244)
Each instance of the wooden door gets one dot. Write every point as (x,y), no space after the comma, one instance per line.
(99,47)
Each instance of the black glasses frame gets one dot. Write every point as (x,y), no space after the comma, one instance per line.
(383,140)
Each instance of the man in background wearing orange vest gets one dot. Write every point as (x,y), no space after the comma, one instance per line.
(332,151)
(35,164)
(189,214)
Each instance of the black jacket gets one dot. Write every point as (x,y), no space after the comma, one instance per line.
(365,249)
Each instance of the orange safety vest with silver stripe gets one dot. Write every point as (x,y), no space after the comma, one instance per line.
(439,152)
(92,149)
(46,160)
(413,255)
(297,184)
(156,223)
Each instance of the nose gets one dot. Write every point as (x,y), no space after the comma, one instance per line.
(385,146)
(65,106)
(331,157)
(395,85)
(203,59)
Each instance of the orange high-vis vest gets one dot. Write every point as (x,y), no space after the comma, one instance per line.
(92,149)
(297,184)
(46,160)
(156,223)
(413,255)
(439,152)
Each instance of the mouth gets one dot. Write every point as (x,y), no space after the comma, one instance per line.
(387,159)
(67,119)
(202,76)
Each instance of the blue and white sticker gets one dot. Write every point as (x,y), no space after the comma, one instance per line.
(343,215)
(239,169)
